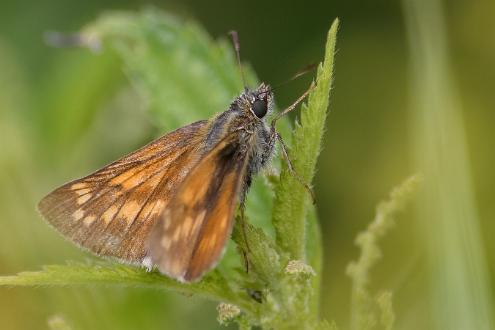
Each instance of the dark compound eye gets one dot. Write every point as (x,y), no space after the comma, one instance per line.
(259,108)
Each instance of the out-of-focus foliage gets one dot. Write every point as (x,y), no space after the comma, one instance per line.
(460,296)
(65,112)
(365,307)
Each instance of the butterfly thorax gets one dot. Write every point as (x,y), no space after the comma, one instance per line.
(246,120)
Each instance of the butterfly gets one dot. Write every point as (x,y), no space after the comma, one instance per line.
(171,204)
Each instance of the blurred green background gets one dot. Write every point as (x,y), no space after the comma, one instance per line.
(66,112)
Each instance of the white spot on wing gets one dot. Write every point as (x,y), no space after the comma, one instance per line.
(177,234)
(89,220)
(78,214)
(165,243)
(84,191)
(130,210)
(109,214)
(158,207)
(77,186)
(201,217)
(166,222)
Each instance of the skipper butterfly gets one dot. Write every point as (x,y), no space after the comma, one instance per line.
(171,203)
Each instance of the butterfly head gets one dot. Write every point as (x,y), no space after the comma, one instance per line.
(258,102)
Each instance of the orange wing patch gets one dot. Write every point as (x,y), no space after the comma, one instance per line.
(194,228)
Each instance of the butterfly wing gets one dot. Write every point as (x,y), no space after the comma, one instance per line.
(112,211)
(193,231)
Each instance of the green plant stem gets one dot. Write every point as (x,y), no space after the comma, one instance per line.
(363,314)
(291,201)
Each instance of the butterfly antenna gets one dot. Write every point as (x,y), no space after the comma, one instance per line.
(292,106)
(237,48)
(307,69)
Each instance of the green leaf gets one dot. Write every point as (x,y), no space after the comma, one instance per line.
(264,259)
(213,286)
(291,201)
(182,74)
(314,255)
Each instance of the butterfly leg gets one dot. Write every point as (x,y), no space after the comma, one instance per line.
(283,147)
(246,251)
(292,106)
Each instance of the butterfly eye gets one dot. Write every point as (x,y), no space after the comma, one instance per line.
(259,108)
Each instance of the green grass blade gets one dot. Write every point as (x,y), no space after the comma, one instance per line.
(460,292)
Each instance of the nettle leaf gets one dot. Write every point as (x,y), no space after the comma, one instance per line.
(213,286)
(181,72)
(292,200)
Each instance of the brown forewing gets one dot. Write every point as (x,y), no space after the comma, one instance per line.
(112,211)
(190,237)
